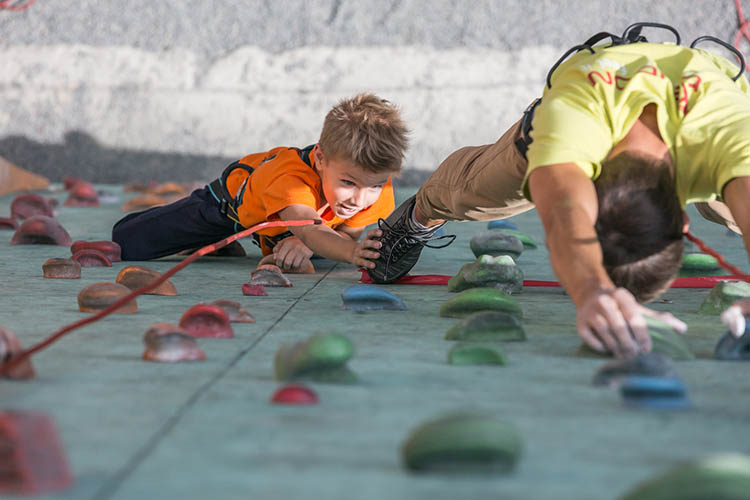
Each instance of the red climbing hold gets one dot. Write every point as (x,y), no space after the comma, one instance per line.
(109,248)
(8,223)
(206,320)
(10,348)
(26,205)
(88,257)
(256,290)
(40,230)
(32,458)
(294,394)
(82,194)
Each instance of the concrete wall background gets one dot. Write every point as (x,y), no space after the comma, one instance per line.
(116,91)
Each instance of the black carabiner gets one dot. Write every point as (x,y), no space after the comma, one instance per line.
(636,36)
(724,44)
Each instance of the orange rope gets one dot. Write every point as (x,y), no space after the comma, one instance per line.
(4,368)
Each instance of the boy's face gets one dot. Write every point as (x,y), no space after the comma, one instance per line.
(348,188)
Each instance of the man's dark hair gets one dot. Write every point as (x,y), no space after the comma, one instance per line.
(639,224)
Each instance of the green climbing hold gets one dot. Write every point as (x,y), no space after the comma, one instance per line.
(495,243)
(699,262)
(486,326)
(476,354)
(321,358)
(499,272)
(664,340)
(723,295)
(462,443)
(480,299)
(725,477)
(526,240)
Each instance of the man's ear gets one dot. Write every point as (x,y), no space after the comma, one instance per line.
(685,222)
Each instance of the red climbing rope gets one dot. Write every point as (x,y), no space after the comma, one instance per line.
(15,5)
(742,30)
(140,291)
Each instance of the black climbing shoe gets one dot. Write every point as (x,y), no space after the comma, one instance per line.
(401,245)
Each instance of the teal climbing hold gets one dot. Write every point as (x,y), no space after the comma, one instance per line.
(370,298)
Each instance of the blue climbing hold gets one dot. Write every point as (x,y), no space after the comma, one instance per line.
(501,224)
(654,393)
(370,298)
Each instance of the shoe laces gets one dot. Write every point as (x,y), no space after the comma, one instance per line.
(400,240)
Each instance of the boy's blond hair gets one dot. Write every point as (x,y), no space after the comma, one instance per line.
(367,131)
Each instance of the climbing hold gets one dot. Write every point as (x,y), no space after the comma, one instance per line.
(370,298)
(234,249)
(321,357)
(166,189)
(307,268)
(135,277)
(98,296)
(207,320)
(89,257)
(235,311)
(109,248)
(501,224)
(143,202)
(528,241)
(474,354)
(61,268)
(33,461)
(495,243)
(254,290)
(69,182)
(656,393)
(8,223)
(699,262)
(731,348)
(664,340)
(650,364)
(480,299)
(27,205)
(10,348)
(485,326)
(269,275)
(294,394)
(462,443)
(82,194)
(723,295)
(725,476)
(40,230)
(499,272)
(168,343)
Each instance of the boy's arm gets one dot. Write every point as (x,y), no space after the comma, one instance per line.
(352,232)
(605,315)
(326,242)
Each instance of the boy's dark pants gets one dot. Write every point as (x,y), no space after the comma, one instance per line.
(186,224)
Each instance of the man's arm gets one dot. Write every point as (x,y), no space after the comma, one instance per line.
(608,318)
(326,242)
(736,195)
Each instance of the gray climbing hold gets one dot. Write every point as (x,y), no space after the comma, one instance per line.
(320,358)
(723,295)
(499,272)
(650,364)
(462,443)
(476,354)
(370,298)
(725,476)
(731,348)
(528,241)
(480,299)
(495,243)
(486,326)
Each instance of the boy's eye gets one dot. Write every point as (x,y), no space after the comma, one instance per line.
(347,183)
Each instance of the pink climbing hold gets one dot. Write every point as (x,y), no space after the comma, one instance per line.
(294,394)
(109,248)
(26,205)
(255,290)
(206,320)
(88,257)
(40,230)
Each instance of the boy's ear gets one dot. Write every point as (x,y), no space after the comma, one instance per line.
(318,155)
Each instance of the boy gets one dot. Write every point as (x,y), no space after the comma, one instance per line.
(625,135)
(344,180)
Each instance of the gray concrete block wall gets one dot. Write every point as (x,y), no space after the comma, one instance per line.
(116,91)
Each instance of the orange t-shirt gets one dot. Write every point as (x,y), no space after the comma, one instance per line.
(281,178)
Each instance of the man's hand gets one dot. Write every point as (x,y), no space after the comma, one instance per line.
(291,253)
(612,320)
(364,252)
(734,317)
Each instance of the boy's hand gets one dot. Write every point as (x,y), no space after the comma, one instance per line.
(291,253)
(364,251)
(612,320)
